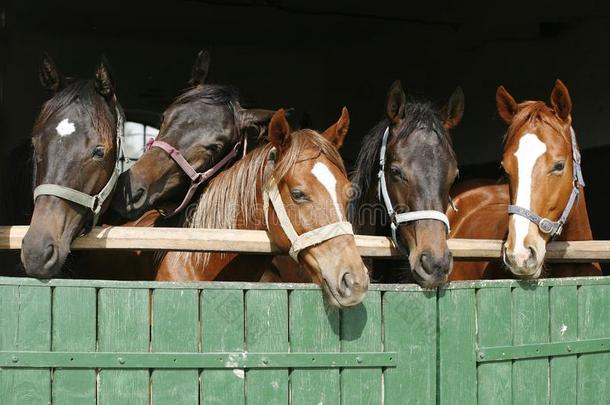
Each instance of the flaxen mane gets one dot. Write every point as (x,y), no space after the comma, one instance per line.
(230,200)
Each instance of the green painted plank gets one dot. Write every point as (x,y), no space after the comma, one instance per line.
(123,325)
(564,327)
(457,353)
(531,325)
(494,324)
(175,328)
(9,311)
(74,315)
(222,329)
(267,330)
(313,327)
(594,322)
(409,324)
(27,316)
(361,331)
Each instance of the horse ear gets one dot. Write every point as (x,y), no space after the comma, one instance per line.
(255,118)
(49,75)
(561,100)
(453,112)
(200,68)
(506,104)
(397,101)
(104,84)
(336,132)
(279,130)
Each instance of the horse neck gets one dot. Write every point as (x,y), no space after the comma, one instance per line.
(577,226)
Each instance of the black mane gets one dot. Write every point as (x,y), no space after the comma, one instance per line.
(418,115)
(212,94)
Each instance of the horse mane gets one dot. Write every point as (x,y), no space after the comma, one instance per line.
(230,199)
(418,115)
(531,113)
(213,94)
(90,100)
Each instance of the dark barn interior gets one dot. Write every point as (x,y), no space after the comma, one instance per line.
(318,56)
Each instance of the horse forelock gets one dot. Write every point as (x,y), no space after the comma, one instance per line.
(532,113)
(102,118)
(230,199)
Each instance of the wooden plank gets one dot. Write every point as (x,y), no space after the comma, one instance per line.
(222,329)
(175,328)
(267,331)
(314,327)
(457,352)
(25,325)
(74,329)
(564,327)
(123,325)
(409,325)
(258,242)
(594,322)
(531,325)
(494,325)
(361,332)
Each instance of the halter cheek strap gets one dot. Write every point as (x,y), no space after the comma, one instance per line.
(197,178)
(403,217)
(271,194)
(554,228)
(93,202)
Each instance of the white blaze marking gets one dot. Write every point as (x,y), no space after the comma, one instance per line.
(530,149)
(65,128)
(324,176)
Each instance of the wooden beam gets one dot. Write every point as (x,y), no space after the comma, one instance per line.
(258,242)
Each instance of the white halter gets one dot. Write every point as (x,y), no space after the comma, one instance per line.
(298,242)
(403,217)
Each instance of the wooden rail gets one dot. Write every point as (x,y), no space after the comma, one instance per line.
(257,242)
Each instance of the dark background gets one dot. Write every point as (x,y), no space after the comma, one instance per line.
(317,56)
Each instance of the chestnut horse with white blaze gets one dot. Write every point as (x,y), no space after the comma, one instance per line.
(295,188)
(544,199)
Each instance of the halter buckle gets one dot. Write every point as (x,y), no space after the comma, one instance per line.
(546,225)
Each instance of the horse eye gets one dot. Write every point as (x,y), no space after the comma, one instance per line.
(98,152)
(396,172)
(298,195)
(559,166)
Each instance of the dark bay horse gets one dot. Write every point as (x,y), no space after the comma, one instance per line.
(419,167)
(295,187)
(76,140)
(543,200)
(202,131)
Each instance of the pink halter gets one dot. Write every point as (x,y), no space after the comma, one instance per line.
(197,178)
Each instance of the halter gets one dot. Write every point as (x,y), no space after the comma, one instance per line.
(403,217)
(554,228)
(197,178)
(271,193)
(93,202)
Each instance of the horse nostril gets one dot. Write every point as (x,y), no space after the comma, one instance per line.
(347,283)
(50,257)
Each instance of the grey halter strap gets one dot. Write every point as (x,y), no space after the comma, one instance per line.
(93,202)
(554,228)
(271,194)
(403,217)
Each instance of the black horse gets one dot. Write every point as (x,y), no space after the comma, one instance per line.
(420,167)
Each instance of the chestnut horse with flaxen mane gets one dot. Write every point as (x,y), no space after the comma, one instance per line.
(293,187)
(544,199)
